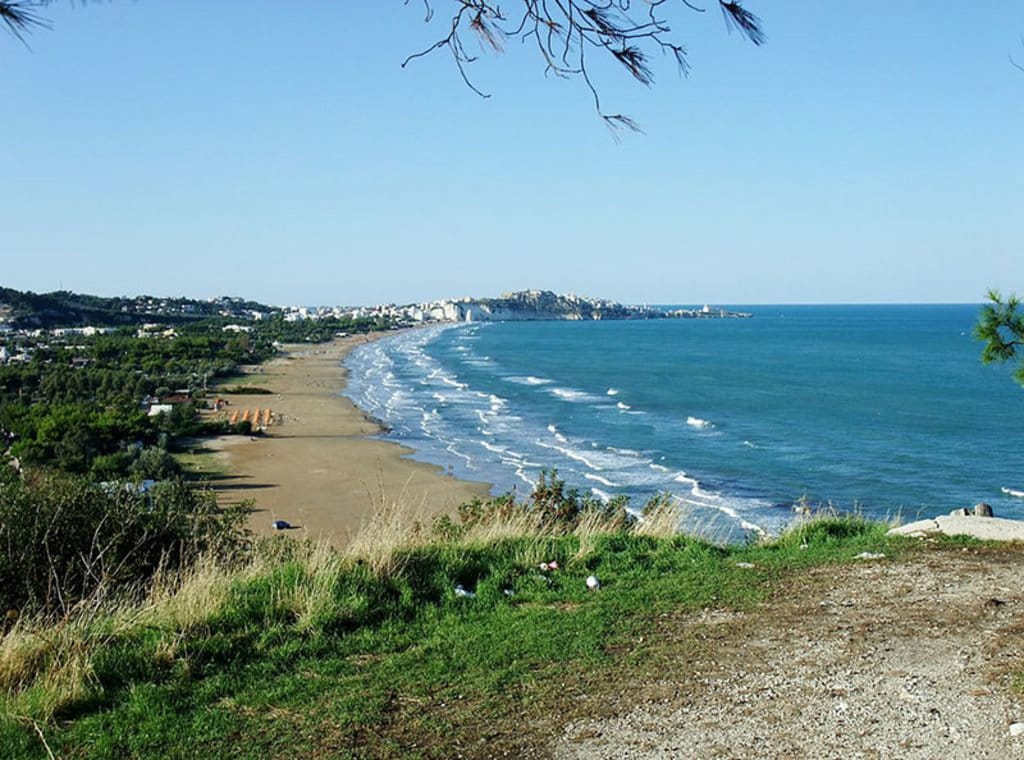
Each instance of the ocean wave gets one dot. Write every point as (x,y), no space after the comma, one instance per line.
(492,448)
(599,479)
(698,423)
(1013,492)
(612,392)
(528,380)
(623,407)
(572,454)
(624,452)
(571,394)
(602,495)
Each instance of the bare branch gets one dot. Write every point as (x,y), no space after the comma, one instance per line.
(562,31)
(19,17)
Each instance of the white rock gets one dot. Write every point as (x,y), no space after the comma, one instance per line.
(746,565)
(870,555)
(1017,729)
(984,528)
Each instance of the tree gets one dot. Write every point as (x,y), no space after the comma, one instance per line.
(1001,326)
(564,33)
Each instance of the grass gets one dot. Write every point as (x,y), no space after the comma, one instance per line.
(371,652)
(200,461)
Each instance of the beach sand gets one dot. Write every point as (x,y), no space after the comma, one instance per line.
(315,467)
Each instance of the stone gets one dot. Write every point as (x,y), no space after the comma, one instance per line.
(982,510)
(962,512)
(983,528)
(1017,729)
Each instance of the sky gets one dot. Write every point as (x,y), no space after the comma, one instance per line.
(868,152)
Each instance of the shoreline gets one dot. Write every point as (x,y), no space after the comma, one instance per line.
(318,466)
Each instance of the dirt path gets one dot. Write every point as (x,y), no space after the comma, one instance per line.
(881,660)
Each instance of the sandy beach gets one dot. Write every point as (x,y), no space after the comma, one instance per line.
(316,467)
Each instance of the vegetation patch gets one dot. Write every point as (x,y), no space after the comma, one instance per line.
(247,390)
(476,634)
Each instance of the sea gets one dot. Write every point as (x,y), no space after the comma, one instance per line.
(885,411)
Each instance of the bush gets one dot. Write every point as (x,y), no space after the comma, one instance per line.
(64,538)
(154,464)
(558,508)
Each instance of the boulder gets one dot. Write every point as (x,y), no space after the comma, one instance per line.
(982,510)
(984,528)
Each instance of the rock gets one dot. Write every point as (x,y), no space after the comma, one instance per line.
(1017,729)
(982,510)
(962,512)
(745,565)
(870,555)
(984,528)
(593,583)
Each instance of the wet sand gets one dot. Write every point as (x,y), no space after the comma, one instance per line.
(315,466)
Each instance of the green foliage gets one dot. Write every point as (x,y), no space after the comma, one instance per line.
(154,463)
(64,538)
(71,436)
(1001,326)
(242,427)
(560,509)
(247,390)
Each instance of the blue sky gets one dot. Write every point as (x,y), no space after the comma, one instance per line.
(869,152)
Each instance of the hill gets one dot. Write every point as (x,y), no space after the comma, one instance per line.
(28,310)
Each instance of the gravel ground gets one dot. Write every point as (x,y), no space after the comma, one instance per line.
(881,660)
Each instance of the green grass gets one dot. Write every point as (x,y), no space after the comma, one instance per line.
(325,658)
(201,461)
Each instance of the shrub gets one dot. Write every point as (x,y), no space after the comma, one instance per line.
(64,538)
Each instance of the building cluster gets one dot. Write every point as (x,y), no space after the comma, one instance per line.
(520,305)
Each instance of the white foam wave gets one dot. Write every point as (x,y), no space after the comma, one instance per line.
(698,423)
(612,392)
(623,407)
(571,394)
(528,380)
(602,495)
(571,453)
(1013,492)
(625,452)
(598,479)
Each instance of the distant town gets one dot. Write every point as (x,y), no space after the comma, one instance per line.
(30,320)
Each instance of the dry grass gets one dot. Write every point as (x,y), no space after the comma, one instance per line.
(665,519)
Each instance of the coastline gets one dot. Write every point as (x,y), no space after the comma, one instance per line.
(318,467)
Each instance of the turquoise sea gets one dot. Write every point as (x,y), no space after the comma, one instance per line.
(883,409)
